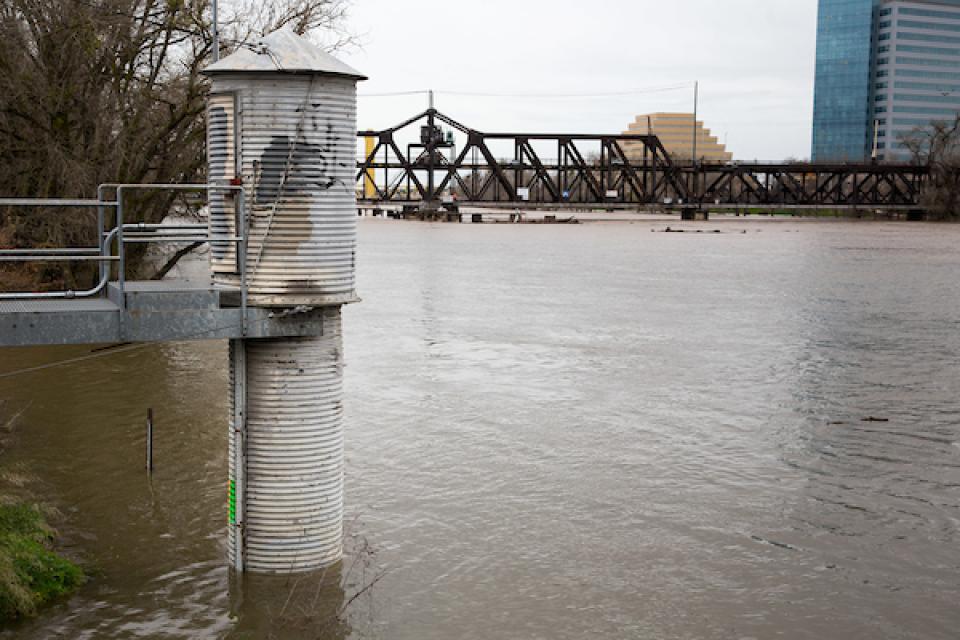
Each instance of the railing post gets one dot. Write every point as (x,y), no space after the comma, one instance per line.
(121,264)
(100,235)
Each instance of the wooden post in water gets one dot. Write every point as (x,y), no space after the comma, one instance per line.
(150,440)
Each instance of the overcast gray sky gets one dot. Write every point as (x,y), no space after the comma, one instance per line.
(754,60)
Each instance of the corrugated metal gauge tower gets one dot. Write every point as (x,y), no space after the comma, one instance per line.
(282,123)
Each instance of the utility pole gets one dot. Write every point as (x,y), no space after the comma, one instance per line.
(216,33)
(696,98)
(430,146)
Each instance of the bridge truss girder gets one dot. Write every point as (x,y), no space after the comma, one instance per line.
(611,169)
(584,170)
(814,185)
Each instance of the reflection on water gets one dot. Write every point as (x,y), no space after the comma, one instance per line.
(304,607)
(558,432)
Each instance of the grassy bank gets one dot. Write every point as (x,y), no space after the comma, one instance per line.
(32,574)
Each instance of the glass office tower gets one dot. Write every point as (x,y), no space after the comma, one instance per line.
(841,97)
(883,68)
(916,70)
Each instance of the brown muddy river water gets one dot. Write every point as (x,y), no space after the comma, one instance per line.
(553,432)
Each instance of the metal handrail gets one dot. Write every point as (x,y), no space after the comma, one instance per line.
(140,233)
(45,295)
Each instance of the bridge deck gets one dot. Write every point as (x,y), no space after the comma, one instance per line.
(147,312)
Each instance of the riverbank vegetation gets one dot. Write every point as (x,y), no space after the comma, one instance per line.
(938,147)
(32,572)
(112,91)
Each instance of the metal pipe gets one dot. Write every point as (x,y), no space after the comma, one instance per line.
(122,263)
(46,295)
(104,268)
(50,258)
(160,227)
(170,239)
(51,202)
(75,250)
(242,259)
(165,186)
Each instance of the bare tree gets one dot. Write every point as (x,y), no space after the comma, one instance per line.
(938,147)
(95,91)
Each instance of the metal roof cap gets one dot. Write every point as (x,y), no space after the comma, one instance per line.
(283,51)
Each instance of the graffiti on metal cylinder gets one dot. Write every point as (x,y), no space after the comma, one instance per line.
(303,164)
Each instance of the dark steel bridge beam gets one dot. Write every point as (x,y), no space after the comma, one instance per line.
(637,167)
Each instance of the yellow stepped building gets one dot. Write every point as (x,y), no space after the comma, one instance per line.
(675,131)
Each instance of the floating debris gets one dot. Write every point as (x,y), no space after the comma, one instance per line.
(547,220)
(774,543)
(873,419)
(671,230)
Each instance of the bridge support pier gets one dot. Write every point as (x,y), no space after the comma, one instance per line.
(693,213)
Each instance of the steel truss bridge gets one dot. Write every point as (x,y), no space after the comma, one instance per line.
(611,170)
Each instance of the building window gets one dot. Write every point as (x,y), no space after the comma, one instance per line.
(881,98)
(917,73)
(933,111)
(880,110)
(937,51)
(926,37)
(945,98)
(884,36)
(886,12)
(883,73)
(882,85)
(927,13)
(913,122)
(932,26)
(928,86)
(926,62)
